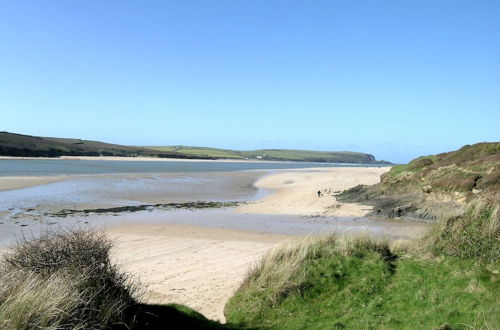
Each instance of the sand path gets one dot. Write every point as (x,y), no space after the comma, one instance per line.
(193,266)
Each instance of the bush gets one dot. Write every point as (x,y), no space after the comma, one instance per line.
(474,234)
(63,280)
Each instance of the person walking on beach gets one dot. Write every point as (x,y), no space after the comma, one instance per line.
(319,193)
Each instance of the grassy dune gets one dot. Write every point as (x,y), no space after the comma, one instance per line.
(362,283)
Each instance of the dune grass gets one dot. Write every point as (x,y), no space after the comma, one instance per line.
(29,300)
(475,234)
(63,280)
(364,283)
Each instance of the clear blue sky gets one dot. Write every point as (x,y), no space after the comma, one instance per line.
(397,78)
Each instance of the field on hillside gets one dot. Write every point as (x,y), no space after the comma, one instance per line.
(274,154)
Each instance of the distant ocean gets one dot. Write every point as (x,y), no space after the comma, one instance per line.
(51,167)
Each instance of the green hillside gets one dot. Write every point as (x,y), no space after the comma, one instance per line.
(275,155)
(36,146)
(20,145)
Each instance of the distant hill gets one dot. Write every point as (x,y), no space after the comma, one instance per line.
(19,145)
(276,155)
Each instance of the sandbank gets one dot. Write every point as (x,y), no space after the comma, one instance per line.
(296,192)
(18,182)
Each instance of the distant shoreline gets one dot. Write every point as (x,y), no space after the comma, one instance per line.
(158,159)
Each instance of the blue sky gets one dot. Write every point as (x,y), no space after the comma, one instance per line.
(397,78)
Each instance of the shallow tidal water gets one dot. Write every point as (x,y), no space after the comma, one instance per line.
(27,211)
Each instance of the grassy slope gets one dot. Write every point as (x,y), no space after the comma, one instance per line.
(201,152)
(26,145)
(274,154)
(476,166)
(364,286)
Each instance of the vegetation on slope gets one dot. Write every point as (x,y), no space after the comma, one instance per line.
(35,146)
(434,186)
(361,283)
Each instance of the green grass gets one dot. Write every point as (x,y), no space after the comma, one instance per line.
(201,152)
(359,283)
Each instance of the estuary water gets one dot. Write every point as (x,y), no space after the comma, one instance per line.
(54,167)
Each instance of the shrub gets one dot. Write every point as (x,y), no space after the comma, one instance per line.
(68,273)
(474,234)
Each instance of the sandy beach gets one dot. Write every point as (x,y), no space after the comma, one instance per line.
(195,266)
(201,264)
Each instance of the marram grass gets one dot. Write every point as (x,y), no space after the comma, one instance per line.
(360,283)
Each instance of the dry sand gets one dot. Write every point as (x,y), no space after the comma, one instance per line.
(297,192)
(197,267)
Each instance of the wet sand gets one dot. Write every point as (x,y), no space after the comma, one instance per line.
(18,182)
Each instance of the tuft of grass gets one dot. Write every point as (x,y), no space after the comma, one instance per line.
(29,300)
(360,283)
(63,280)
(474,234)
